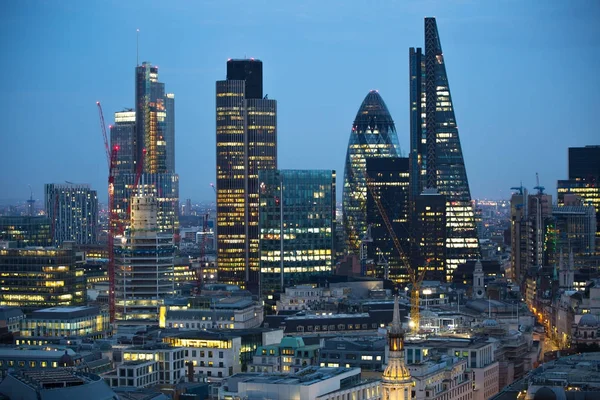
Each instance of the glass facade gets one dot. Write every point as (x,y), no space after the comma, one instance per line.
(389,178)
(73,213)
(26,231)
(122,134)
(37,278)
(589,193)
(297,226)
(373,135)
(246,136)
(436,154)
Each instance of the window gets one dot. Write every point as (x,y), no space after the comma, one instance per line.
(210,354)
(220,354)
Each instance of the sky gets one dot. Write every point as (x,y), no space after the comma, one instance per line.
(524,78)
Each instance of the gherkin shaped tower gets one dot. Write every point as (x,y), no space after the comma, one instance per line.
(373,135)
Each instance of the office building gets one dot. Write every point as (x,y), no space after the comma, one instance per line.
(246,135)
(171,360)
(389,179)
(430,235)
(436,156)
(539,210)
(26,231)
(364,352)
(73,212)
(287,357)
(10,318)
(81,322)
(574,228)
(144,265)
(122,134)
(297,226)
(60,383)
(584,163)
(311,383)
(33,278)
(373,135)
(521,234)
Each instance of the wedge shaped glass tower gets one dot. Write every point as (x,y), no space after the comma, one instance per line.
(436,156)
(373,135)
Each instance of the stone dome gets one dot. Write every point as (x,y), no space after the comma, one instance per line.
(544,393)
(588,320)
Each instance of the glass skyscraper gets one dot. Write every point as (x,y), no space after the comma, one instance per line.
(373,135)
(26,230)
(436,156)
(246,133)
(297,226)
(151,127)
(389,179)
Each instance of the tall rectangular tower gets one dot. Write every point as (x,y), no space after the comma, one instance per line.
(73,208)
(389,179)
(154,134)
(297,227)
(246,132)
(436,153)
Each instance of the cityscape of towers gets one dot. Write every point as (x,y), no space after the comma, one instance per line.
(430,208)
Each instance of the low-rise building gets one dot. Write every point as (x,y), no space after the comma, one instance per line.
(440,378)
(10,318)
(171,360)
(67,322)
(311,383)
(289,356)
(57,384)
(139,374)
(210,313)
(366,353)
(38,358)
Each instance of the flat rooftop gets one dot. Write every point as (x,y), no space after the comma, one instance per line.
(305,377)
(65,312)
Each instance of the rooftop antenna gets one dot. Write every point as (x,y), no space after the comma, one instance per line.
(137,48)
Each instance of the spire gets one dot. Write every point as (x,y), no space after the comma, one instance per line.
(571,266)
(396,326)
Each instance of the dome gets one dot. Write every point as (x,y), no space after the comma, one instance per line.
(588,320)
(65,360)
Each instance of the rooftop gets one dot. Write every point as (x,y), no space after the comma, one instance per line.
(307,376)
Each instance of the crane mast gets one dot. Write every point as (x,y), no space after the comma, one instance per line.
(415,276)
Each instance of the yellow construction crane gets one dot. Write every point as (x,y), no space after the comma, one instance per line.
(415,276)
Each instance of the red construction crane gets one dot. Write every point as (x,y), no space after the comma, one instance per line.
(111,157)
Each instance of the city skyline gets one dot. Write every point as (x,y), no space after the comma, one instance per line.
(55,108)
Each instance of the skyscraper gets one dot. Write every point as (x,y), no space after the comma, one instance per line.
(73,212)
(436,155)
(297,227)
(144,264)
(246,133)
(150,128)
(584,163)
(389,179)
(373,135)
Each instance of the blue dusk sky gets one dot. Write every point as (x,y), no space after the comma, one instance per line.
(524,77)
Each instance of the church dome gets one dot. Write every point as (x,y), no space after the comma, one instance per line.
(544,393)
(588,320)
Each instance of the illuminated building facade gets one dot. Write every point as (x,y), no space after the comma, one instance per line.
(521,235)
(122,134)
(73,212)
(373,135)
(26,231)
(144,265)
(396,382)
(584,180)
(34,278)
(154,132)
(67,322)
(430,234)
(246,135)
(297,226)
(389,179)
(436,156)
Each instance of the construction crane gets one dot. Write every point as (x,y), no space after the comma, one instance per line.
(111,157)
(415,276)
